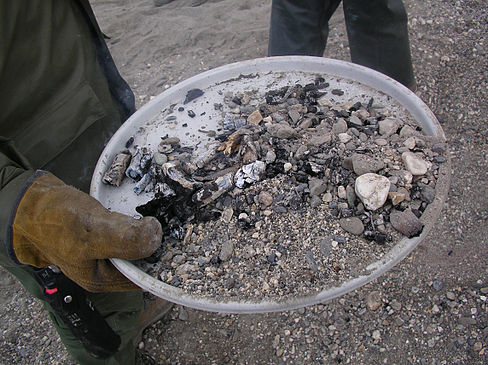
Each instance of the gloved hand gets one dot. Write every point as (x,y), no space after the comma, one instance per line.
(56,224)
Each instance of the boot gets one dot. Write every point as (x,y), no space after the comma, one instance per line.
(154,310)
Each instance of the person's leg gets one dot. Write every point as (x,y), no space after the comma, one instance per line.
(120,310)
(378,37)
(300,27)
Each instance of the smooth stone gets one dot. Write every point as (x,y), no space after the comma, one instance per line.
(344,137)
(416,165)
(350,196)
(183,314)
(440,148)
(381,142)
(287,166)
(406,223)
(388,126)
(178,259)
(409,143)
(353,225)
(407,131)
(327,197)
(341,192)
(160,158)
(363,164)
(325,246)
(372,189)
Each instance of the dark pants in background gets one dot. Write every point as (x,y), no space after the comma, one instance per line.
(376,29)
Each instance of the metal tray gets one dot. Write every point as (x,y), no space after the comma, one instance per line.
(151,122)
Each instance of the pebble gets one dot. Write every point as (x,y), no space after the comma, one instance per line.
(373,300)
(317,186)
(281,130)
(396,197)
(160,158)
(265,198)
(427,194)
(407,131)
(294,115)
(437,285)
(410,143)
(414,164)
(255,117)
(226,250)
(376,335)
(352,225)
(372,189)
(450,295)
(406,223)
(344,137)
(339,127)
(388,126)
(363,164)
(381,141)
(183,314)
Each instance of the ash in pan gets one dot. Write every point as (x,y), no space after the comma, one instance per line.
(298,193)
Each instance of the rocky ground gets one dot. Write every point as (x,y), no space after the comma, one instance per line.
(430,309)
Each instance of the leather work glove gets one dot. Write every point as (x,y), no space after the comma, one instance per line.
(56,224)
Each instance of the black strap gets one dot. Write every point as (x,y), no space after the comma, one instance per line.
(70,303)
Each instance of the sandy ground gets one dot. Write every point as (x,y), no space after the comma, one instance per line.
(431,307)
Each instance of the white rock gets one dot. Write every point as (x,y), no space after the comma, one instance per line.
(372,189)
(344,137)
(416,165)
(410,143)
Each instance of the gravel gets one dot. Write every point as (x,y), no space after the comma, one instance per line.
(430,309)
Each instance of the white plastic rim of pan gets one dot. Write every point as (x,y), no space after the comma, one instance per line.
(155,119)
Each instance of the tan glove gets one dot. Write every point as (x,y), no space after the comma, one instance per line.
(56,224)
